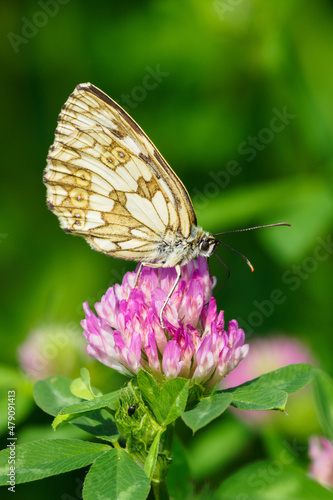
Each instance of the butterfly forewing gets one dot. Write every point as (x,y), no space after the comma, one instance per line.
(107,181)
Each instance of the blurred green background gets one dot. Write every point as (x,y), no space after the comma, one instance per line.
(237,96)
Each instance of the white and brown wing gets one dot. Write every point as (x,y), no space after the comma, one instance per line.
(107,182)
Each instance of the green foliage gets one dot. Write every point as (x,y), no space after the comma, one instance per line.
(270,391)
(40,459)
(206,410)
(98,402)
(53,393)
(81,387)
(146,434)
(151,459)
(67,407)
(167,403)
(115,475)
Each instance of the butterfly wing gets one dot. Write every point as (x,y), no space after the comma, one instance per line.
(107,182)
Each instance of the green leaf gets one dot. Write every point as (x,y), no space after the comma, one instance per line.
(152,455)
(71,412)
(39,459)
(209,408)
(323,391)
(260,400)
(167,402)
(98,423)
(115,476)
(270,391)
(290,379)
(61,420)
(80,390)
(108,400)
(53,393)
(81,387)
(269,480)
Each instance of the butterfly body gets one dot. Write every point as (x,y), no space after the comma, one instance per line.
(175,250)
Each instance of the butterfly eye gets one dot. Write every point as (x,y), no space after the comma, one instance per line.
(204,246)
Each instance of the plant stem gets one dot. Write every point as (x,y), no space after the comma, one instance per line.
(160,490)
(159,486)
(168,440)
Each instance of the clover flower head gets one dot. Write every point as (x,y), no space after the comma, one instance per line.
(126,334)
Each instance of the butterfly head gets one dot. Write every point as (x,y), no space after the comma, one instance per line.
(207,244)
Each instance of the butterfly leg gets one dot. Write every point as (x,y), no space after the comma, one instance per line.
(170,293)
(138,274)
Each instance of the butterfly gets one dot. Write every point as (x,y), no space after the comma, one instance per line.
(107,182)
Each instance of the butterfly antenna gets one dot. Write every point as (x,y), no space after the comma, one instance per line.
(251,228)
(238,253)
(228,275)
